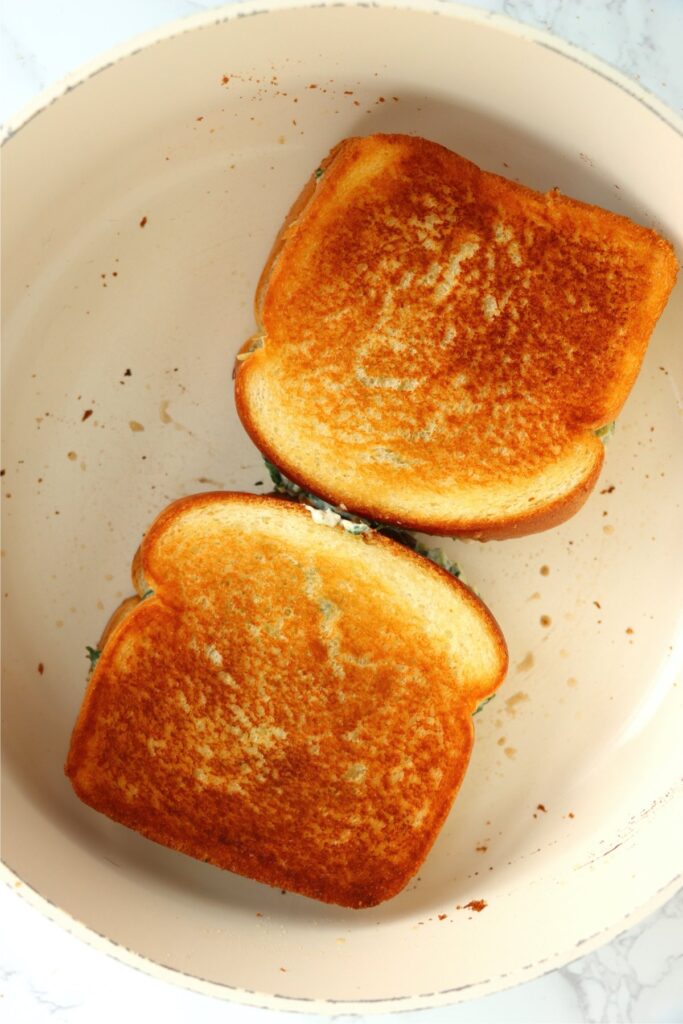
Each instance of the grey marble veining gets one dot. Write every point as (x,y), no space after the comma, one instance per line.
(637,977)
(47,974)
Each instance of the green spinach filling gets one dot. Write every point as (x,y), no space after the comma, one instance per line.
(604,433)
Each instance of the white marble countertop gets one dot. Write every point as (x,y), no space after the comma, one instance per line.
(47,974)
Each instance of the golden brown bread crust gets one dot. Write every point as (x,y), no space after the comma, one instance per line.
(262,712)
(425,322)
(300,203)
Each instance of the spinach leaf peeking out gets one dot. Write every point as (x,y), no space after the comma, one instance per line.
(93,654)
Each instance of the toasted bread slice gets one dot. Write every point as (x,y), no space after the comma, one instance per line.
(437,345)
(290,702)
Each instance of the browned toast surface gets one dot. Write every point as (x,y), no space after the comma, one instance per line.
(290,702)
(437,344)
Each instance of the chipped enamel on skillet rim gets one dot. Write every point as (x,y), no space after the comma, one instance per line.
(248,8)
(251,8)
